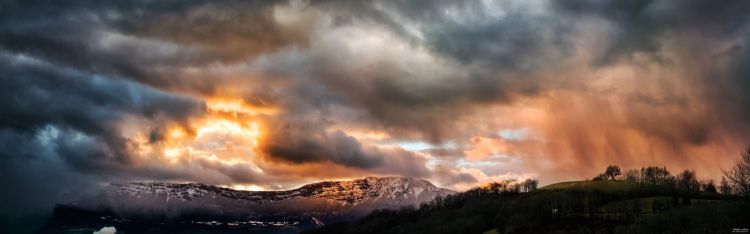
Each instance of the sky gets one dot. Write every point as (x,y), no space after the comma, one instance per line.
(269,95)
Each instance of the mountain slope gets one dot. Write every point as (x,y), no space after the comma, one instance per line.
(154,203)
(390,188)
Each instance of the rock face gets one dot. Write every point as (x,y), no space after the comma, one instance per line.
(310,205)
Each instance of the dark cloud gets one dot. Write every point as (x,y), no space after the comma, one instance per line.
(631,82)
(483,59)
(228,30)
(642,25)
(35,179)
(290,141)
(61,123)
(36,94)
(141,40)
(304,147)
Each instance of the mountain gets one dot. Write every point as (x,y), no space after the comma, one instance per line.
(160,206)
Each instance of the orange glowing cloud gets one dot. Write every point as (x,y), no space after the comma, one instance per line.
(229,131)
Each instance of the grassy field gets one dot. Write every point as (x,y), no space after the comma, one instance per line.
(595,185)
(493,231)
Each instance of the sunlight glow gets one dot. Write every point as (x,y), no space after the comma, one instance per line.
(250,187)
(237,106)
(228,134)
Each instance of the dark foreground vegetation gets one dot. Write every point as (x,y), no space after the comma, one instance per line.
(648,200)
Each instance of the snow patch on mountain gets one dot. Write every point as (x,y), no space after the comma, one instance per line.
(354,191)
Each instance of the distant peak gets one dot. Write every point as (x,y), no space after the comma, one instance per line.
(392,178)
(366,183)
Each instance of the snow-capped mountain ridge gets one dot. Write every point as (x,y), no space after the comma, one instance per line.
(158,204)
(392,188)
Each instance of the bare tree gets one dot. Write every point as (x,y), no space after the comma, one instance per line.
(708,186)
(656,176)
(725,188)
(687,182)
(739,174)
(632,175)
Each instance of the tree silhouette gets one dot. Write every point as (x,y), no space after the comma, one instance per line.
(656,176)
(529,185)
(612,172)
(687,182)
(632,175)
(725,188)
(739,174)
(708,186)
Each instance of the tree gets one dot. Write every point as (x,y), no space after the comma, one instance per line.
(739,174)
(708,186)
(502,187)
(669,182)
(656,176)
(688,185)
(632,175)
(529,185)
(612,172)
(687,182)
(725,188)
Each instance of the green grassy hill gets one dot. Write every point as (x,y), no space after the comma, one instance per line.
(569,207)
(595,185)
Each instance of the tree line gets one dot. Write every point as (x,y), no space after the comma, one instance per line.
(643,200)
(501,188)
(736,180)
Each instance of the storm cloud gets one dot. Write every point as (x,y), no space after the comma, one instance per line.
(275,94)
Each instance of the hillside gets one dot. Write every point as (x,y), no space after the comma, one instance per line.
(594,185)
(138,207)
(348,192)
(569,207)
